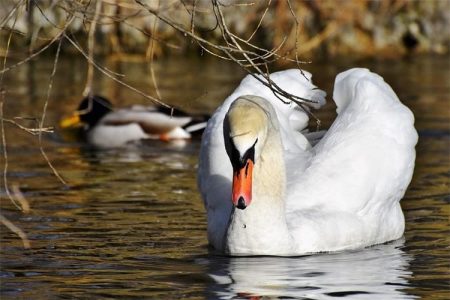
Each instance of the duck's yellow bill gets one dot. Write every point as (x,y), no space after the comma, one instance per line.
(72,121)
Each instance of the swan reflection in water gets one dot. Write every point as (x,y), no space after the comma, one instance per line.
(379,272)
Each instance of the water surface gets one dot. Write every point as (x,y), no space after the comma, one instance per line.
(131,223)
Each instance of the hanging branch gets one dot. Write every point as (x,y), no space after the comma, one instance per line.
(107,73)
(150,55)
(40,51)
(260,20)
(249,60)
(297,27)
(91,42)
(231,40)
(198,39)
(16,230)
(13,11)
(30,130)
(5,151)
(44,112)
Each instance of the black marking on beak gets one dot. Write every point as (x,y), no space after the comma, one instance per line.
(241,203)
(239,162)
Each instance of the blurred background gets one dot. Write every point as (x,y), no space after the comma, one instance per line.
(310,29)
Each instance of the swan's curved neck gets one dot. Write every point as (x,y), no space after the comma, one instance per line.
(262,225)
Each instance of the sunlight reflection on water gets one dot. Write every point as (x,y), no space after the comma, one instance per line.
(131,223)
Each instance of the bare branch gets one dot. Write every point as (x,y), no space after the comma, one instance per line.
(32,131)
(250,61)
(105,72)
(44,111)
(5,151)
(260,20)
(91,43)
(297,26)
(16,230)
(5,158)
(21,198)
(278,92)
(11,13)
(30,57)
(151,57)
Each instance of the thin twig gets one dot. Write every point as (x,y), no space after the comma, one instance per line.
(32,131)
(159,40)
(11,13)
(5,158)
(35,3)
(106,69)
(199,39)
(16,230)
(297,26)
(236,4)
(5,151)
(267,81)
(260,20)
(193,16)
(30,57)
(232,46)
(105,72)
(151,56)
(18,195)
(91,42)
(44,111)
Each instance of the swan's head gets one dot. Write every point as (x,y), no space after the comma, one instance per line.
(245,131)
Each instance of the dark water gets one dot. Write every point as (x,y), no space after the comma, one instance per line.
(131,224)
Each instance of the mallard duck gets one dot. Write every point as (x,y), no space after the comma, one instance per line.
(104,127)
(268,191)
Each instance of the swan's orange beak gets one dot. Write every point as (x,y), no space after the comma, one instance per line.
(242,185)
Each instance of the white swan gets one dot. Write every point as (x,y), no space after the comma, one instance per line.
(267,191)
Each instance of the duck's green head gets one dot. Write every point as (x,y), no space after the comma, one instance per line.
(89,112)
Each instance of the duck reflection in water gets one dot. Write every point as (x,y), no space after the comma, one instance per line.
(379,272)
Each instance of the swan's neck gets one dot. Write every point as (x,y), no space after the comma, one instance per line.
(262,227)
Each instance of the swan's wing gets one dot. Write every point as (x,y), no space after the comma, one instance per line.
(365,161)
